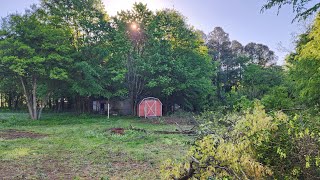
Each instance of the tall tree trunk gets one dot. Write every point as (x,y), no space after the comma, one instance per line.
(43,104)
(16,102)
(34,97)
(40,113)
(56,105)
(28,98)
(50,103)
(135,107)
(89,103)
(10,100)
(62,104)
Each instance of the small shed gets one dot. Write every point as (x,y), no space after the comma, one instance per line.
(150,107)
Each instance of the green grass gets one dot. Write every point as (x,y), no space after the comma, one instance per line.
(82,147)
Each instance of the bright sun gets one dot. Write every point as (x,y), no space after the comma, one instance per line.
(134,26)
(113,6)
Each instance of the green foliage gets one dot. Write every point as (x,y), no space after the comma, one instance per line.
(211,122)
(278,98)
(258,80)
(304,66)
(293,149)
(163,57)
(32,53)
(240,67)
(302,8)
(90,30)
(73,50)
(238,102)
(35,53)
(253,145)
(260,54)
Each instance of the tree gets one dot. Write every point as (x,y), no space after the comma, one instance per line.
(237,48)
(10,91)
(163,57)
(35,52)
(241,60)
(179,68)
(304,65)
(132,27)
(231,58)
(219,44)
(260,54)
(278,98)
(202,35)
(220,51)
(302,8)
(91,36)
(258,80)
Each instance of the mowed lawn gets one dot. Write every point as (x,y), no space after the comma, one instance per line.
(82,147)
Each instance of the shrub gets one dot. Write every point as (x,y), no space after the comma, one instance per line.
(252,145)
(237,101)
(277,99)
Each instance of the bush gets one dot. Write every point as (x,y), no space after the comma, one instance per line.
(277,99)
(237,101)
(252,145)
(184,117)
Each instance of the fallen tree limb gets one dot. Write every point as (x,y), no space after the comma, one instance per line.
(189,132)
(175,132)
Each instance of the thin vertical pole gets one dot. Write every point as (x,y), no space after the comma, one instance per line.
(108,110)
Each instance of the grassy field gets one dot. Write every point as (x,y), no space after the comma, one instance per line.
(82,147)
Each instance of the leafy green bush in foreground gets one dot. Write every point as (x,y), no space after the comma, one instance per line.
(253,145)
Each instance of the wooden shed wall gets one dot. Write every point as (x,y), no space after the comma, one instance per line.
(150,107)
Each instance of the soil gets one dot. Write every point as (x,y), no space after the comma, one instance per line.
(15,134)
(45,167)
(40,168)
(117,131)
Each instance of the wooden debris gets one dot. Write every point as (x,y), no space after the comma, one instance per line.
(117,131)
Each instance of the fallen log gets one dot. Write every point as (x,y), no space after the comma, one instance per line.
(121,131)
(175,132)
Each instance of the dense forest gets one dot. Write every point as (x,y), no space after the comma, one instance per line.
(60,56)
(255,119)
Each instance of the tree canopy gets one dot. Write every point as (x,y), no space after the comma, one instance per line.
(70,53)
(302,8)
(74,52)
(304,64)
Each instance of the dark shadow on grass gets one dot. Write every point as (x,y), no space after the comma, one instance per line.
(54,119)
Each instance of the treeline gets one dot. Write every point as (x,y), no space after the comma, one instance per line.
(276,137)
(63,54)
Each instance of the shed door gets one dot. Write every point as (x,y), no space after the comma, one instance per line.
(150,107)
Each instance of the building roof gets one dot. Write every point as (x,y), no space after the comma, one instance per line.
(147,98)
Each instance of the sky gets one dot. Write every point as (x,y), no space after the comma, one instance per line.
(242,19)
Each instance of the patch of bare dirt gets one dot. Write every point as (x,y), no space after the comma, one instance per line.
(117,131)
(39,168)
(15,134)
(68,166)
(134,170)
